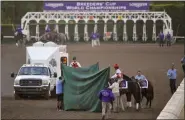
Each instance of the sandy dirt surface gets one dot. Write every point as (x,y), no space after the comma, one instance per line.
(152,60)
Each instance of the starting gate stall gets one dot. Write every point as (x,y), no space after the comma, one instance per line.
(66,16)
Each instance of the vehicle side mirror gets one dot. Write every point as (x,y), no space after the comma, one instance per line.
(55,74)
(12,75)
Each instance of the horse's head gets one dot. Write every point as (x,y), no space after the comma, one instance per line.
(111,81)
(133,79)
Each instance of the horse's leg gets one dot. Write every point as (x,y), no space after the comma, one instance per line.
(129,103)
(137,98)
(147,101)
(150,103)
(142,96)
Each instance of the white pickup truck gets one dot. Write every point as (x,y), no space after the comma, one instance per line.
(43,66)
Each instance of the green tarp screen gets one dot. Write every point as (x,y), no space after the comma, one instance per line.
(82,86)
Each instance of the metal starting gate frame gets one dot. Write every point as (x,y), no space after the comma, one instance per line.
(86,16)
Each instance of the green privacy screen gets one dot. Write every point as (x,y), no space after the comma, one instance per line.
(82,86)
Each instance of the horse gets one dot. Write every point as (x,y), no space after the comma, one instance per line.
(148,93)
(20,38)
(133,89)
(59,38)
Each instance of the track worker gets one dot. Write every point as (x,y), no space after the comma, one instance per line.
(97,38)
(161,39)
(115,88)
(94,38)
(115,91)
(106,97)
(172,75)
(168,38)
(59,93)
(74,63)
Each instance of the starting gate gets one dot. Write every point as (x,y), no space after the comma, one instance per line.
(124,16)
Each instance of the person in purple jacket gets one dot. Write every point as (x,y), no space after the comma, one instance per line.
(106,96)
(161,39)
(168,38)
(93,38)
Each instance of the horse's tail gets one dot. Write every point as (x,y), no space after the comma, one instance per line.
(151,90)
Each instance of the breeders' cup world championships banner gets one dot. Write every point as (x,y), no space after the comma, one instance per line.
(95,6)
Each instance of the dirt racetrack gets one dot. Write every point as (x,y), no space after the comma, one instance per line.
(152,60)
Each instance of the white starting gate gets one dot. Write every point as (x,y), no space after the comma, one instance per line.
(115,16)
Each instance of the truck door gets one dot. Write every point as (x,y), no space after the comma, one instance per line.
(52,79)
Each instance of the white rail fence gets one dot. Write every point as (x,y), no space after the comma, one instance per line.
(175,105)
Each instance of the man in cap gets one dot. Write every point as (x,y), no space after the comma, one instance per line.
(172,75)
(106,97)
(115,88)
(118,73)
(74,63)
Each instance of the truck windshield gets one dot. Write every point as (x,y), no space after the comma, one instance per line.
(33,71)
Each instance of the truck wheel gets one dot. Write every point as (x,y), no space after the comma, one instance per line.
(17,97)
(47,94)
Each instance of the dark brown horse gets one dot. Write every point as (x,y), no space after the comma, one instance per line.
(133,89)
(148,93)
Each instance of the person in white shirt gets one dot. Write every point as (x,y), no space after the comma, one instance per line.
(139,76)
(115,91)
(75,64)
(115,88)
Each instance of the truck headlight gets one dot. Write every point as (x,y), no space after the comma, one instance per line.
(45,82)
(16,82)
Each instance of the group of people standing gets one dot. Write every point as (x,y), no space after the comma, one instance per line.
(111,94)
(162,39)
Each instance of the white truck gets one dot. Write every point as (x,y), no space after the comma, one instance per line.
(43,66)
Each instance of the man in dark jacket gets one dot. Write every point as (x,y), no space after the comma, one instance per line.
(106,96)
